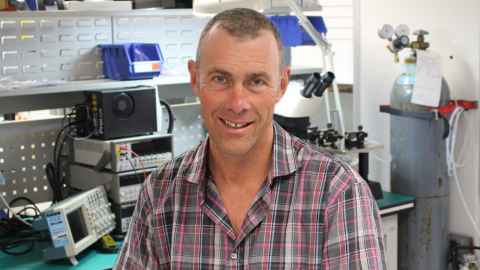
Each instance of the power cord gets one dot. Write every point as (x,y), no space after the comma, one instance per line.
(13,213)
(53,169)
(171,117)
(452,164)
(17,236)
(77,124)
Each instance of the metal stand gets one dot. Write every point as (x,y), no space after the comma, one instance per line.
(326,48)
(375,187)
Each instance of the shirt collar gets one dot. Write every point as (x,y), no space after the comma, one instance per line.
(284,156)
(195,163)
(284,153)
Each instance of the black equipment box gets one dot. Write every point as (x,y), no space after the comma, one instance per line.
(124,112)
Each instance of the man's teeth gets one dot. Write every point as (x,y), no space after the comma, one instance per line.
(234,125)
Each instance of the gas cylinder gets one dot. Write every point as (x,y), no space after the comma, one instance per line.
(403,87)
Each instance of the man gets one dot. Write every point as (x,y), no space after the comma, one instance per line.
(251,196)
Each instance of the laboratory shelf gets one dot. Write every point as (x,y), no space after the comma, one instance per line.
(88,85)
(418,115)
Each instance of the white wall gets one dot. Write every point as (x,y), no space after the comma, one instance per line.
(454,28)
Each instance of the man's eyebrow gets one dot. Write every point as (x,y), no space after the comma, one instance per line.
(259,74)
(252,75)
(219,71)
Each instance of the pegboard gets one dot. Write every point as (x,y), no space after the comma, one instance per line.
(188,130)
(26,148)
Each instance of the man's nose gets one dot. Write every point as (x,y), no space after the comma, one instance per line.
(238,100)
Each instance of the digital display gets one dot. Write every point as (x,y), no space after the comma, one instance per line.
(151,147)
(77,225)
(133,179)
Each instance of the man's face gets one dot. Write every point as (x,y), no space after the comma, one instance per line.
(238,81)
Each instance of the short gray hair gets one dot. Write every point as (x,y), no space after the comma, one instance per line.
(242,23)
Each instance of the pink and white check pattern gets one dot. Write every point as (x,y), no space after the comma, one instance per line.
(313,212)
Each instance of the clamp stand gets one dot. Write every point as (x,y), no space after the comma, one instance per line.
(375,187)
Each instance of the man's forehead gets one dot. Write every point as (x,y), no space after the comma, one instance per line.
(218,32)
(219,41)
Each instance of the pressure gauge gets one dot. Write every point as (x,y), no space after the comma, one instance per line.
(404,40)
(402,30)
(386,32)
(400,42)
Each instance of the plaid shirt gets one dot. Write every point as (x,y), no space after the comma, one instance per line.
(313,212)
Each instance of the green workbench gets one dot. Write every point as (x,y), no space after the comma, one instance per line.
(393,203)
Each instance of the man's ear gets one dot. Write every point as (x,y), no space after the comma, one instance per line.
(284,78)
(194,83)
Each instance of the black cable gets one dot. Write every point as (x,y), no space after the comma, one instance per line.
(51,177)
(57,138)
(58,166)
(30,202)
(16,237)
(11,244)
(171,117)
(23,198)
(15,243)
(26,208)
(53,169)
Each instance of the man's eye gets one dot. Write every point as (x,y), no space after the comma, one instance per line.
(219,79)
(258,82)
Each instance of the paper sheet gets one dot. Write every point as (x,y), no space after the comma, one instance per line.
(428,83)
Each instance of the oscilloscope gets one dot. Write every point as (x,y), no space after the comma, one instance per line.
(78,222)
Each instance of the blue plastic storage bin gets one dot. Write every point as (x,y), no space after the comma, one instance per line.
(289,30)
(292,33)
(319,24)
(131,61)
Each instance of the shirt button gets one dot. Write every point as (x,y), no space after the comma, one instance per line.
(233,256)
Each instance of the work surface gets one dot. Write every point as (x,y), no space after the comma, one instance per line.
(93,260)
(89,260)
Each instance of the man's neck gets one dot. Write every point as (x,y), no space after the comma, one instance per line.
(238,178)
(242,169)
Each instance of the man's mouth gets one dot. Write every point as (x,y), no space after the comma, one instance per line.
(234,125)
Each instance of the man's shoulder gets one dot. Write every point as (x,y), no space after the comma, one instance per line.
(172,173)
(338,174)
(312,157)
